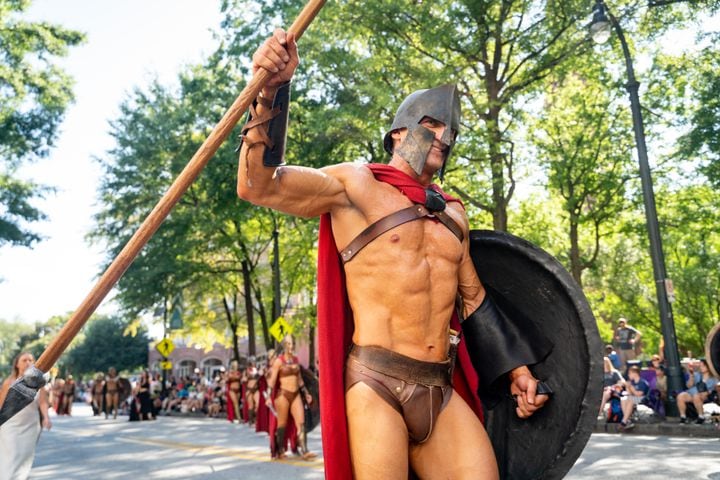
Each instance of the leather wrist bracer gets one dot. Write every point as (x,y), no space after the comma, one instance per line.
(276,117)
(499,340)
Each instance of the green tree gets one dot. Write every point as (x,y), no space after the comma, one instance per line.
(693,256)
(700,112)
(106,344)
(34,94)
(213,249)
(582,138)
(363,57)
(10,333)
(39,336)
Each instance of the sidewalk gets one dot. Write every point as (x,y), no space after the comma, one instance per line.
(670,426)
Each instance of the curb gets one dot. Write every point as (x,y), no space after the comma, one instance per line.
(668,428)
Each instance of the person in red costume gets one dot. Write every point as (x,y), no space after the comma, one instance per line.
(286,393)
(262,423)
(393,260)
(233,379)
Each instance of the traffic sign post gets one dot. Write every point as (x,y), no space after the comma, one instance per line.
(280,328)
(165,347)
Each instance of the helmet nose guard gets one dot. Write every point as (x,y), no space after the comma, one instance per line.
(440,103)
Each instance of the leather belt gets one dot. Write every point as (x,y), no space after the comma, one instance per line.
(393,220)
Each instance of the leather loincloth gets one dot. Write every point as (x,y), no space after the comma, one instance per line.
(417,390)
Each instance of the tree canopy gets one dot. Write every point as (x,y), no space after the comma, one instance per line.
(34,94)
(546,152)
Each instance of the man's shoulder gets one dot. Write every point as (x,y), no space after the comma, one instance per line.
(348,171)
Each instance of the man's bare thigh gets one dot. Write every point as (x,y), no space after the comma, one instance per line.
(378,436)
(458,448)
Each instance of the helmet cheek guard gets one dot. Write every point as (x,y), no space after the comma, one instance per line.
(440,103)
(416,146)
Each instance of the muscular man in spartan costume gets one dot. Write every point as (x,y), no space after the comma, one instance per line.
(404,250)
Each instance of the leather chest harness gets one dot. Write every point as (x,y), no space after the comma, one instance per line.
(434,209)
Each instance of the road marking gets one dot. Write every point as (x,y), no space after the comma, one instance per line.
(253,455)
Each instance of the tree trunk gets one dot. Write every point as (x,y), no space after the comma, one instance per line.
(497,167)
(575,263)
(263,320)
(233,329)
(249,307)
(311,346)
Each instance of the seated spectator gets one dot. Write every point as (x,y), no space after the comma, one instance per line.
(214,402)
(700,385)
(613,356)
(637,392)
(661,383)
(171,401)
(654,398)
(613,383)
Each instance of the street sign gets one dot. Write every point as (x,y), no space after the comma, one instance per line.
(165,347)
(280,328)
(166,365)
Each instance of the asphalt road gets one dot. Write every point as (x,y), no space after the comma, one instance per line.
(86,447)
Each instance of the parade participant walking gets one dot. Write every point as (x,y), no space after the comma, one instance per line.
(144,396)
(98,395)
(405,249)
(262,422)
(286,392)
(57,395)
(68,398)
(19,435)
(233,383)
(112,393)
(252,390)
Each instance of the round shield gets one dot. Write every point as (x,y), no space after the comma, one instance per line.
(712,350)
(525,279)
(124,389)
(312,411)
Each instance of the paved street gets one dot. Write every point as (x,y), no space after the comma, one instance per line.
(85,447)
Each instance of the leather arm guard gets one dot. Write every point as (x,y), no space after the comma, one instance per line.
(498,343)
(277,120)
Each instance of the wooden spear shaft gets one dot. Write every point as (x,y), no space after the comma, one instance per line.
(167,202)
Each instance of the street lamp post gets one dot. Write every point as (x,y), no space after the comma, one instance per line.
(600,30)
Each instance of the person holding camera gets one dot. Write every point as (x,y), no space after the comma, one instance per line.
(700,384)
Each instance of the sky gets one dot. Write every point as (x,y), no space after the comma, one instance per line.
(129,43)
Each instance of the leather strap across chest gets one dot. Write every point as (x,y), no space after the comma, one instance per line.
(393,220)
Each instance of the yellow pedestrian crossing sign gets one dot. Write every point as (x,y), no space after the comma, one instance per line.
(166,365)
(280,328)
(165,347)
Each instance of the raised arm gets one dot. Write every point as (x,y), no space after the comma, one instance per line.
(300,191)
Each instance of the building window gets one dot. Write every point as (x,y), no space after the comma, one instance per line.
(211,366)
(186,368)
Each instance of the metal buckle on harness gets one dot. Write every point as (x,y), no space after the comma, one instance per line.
(434,201)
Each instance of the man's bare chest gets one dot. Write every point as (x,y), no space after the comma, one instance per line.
(384,218)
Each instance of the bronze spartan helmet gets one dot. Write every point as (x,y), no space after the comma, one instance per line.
(440,103)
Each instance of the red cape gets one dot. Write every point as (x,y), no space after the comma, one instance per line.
(245,410)
(230,409)
(262,421)
(335,329)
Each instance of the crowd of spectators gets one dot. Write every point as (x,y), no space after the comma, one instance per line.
(194,394)
(631,381)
